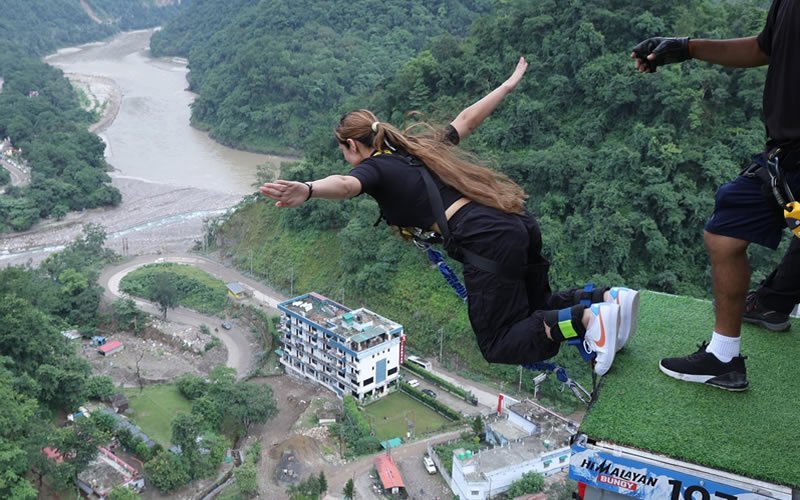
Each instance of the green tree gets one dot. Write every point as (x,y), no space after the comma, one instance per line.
(186,431)
(100,387)
(246,403)
(530,482)
(164,293)
(349,490)
(122,493)
(128,315)
(246,480)
(192,386)
(167,471)
(323,482)
(477,426)
(18,415)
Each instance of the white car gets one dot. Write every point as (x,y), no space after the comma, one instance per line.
(429,465)
(413,382)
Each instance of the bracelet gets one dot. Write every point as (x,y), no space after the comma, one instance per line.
(310,190)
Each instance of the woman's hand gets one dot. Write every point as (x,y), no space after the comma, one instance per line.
(287,194)
(516,76)
(470,118)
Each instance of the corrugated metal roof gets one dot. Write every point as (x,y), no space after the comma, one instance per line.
(110,346)
(388,472)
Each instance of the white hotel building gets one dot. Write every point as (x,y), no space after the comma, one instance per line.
(353,352)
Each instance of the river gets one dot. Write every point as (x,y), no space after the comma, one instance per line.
(172,176)
(151,137)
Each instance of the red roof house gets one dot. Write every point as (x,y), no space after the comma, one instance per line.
(389,473)
(110,347)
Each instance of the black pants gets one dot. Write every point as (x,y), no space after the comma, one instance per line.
(507,313)
(780,291)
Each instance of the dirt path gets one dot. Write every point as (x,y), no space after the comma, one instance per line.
(237,340)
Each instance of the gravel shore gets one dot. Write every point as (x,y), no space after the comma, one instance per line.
(152,218)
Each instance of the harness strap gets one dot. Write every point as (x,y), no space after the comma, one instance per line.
(482,263)
(772,175)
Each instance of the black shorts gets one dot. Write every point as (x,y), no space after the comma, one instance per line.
(745,208)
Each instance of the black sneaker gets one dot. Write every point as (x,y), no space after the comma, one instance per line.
(761,316)
(705,368)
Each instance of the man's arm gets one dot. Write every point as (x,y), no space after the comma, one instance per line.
(470,118)
(733,53)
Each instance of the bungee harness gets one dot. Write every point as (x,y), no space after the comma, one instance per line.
(772,175)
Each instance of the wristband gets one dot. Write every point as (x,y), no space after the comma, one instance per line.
(310,190)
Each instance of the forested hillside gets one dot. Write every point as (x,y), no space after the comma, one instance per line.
(41,26)
(40,112)
(41,375)
(270,73)
(621,167)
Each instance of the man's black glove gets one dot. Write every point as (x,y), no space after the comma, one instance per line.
(666,50)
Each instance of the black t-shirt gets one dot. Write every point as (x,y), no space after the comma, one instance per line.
(398,187)
(780,40)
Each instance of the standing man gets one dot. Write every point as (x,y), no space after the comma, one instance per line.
(743,213)
(770,305)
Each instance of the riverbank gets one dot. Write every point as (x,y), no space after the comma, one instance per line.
(103,96)
(152,218)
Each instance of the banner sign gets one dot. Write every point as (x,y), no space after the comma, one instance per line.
(638,478)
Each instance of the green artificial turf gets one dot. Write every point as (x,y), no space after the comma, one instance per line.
(752,433)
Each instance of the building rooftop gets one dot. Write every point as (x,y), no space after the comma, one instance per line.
(110,346)
(106,471)
(358,325)
(553,432)
(388,472)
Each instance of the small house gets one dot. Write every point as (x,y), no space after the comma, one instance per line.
(389,474)
(110,348)
(236,290)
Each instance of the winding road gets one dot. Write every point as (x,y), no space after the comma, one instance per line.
(237,340)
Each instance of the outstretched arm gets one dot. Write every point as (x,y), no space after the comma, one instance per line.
(733,53)
(288,194)
(470,118)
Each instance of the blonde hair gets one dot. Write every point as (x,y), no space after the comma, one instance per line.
(454,166)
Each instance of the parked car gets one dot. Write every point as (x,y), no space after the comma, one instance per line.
(429,465)
(413,382)
(429,392)
(227,325)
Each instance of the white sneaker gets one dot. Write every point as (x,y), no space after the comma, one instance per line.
(601,335)
(628,302)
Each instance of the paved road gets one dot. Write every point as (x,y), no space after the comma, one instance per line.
(236,340)
(338,475)
(19,177)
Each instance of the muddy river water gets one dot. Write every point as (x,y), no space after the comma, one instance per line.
(172,177)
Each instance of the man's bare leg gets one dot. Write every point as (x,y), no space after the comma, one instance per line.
(730,276)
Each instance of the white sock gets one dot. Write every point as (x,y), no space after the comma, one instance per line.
(724,348)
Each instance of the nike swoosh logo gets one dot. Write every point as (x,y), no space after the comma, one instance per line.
(602,341)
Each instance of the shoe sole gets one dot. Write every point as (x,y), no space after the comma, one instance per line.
(629,318)
(611,337)
(701,379)
(773,327)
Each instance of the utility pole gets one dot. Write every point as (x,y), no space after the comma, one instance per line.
(441,344)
